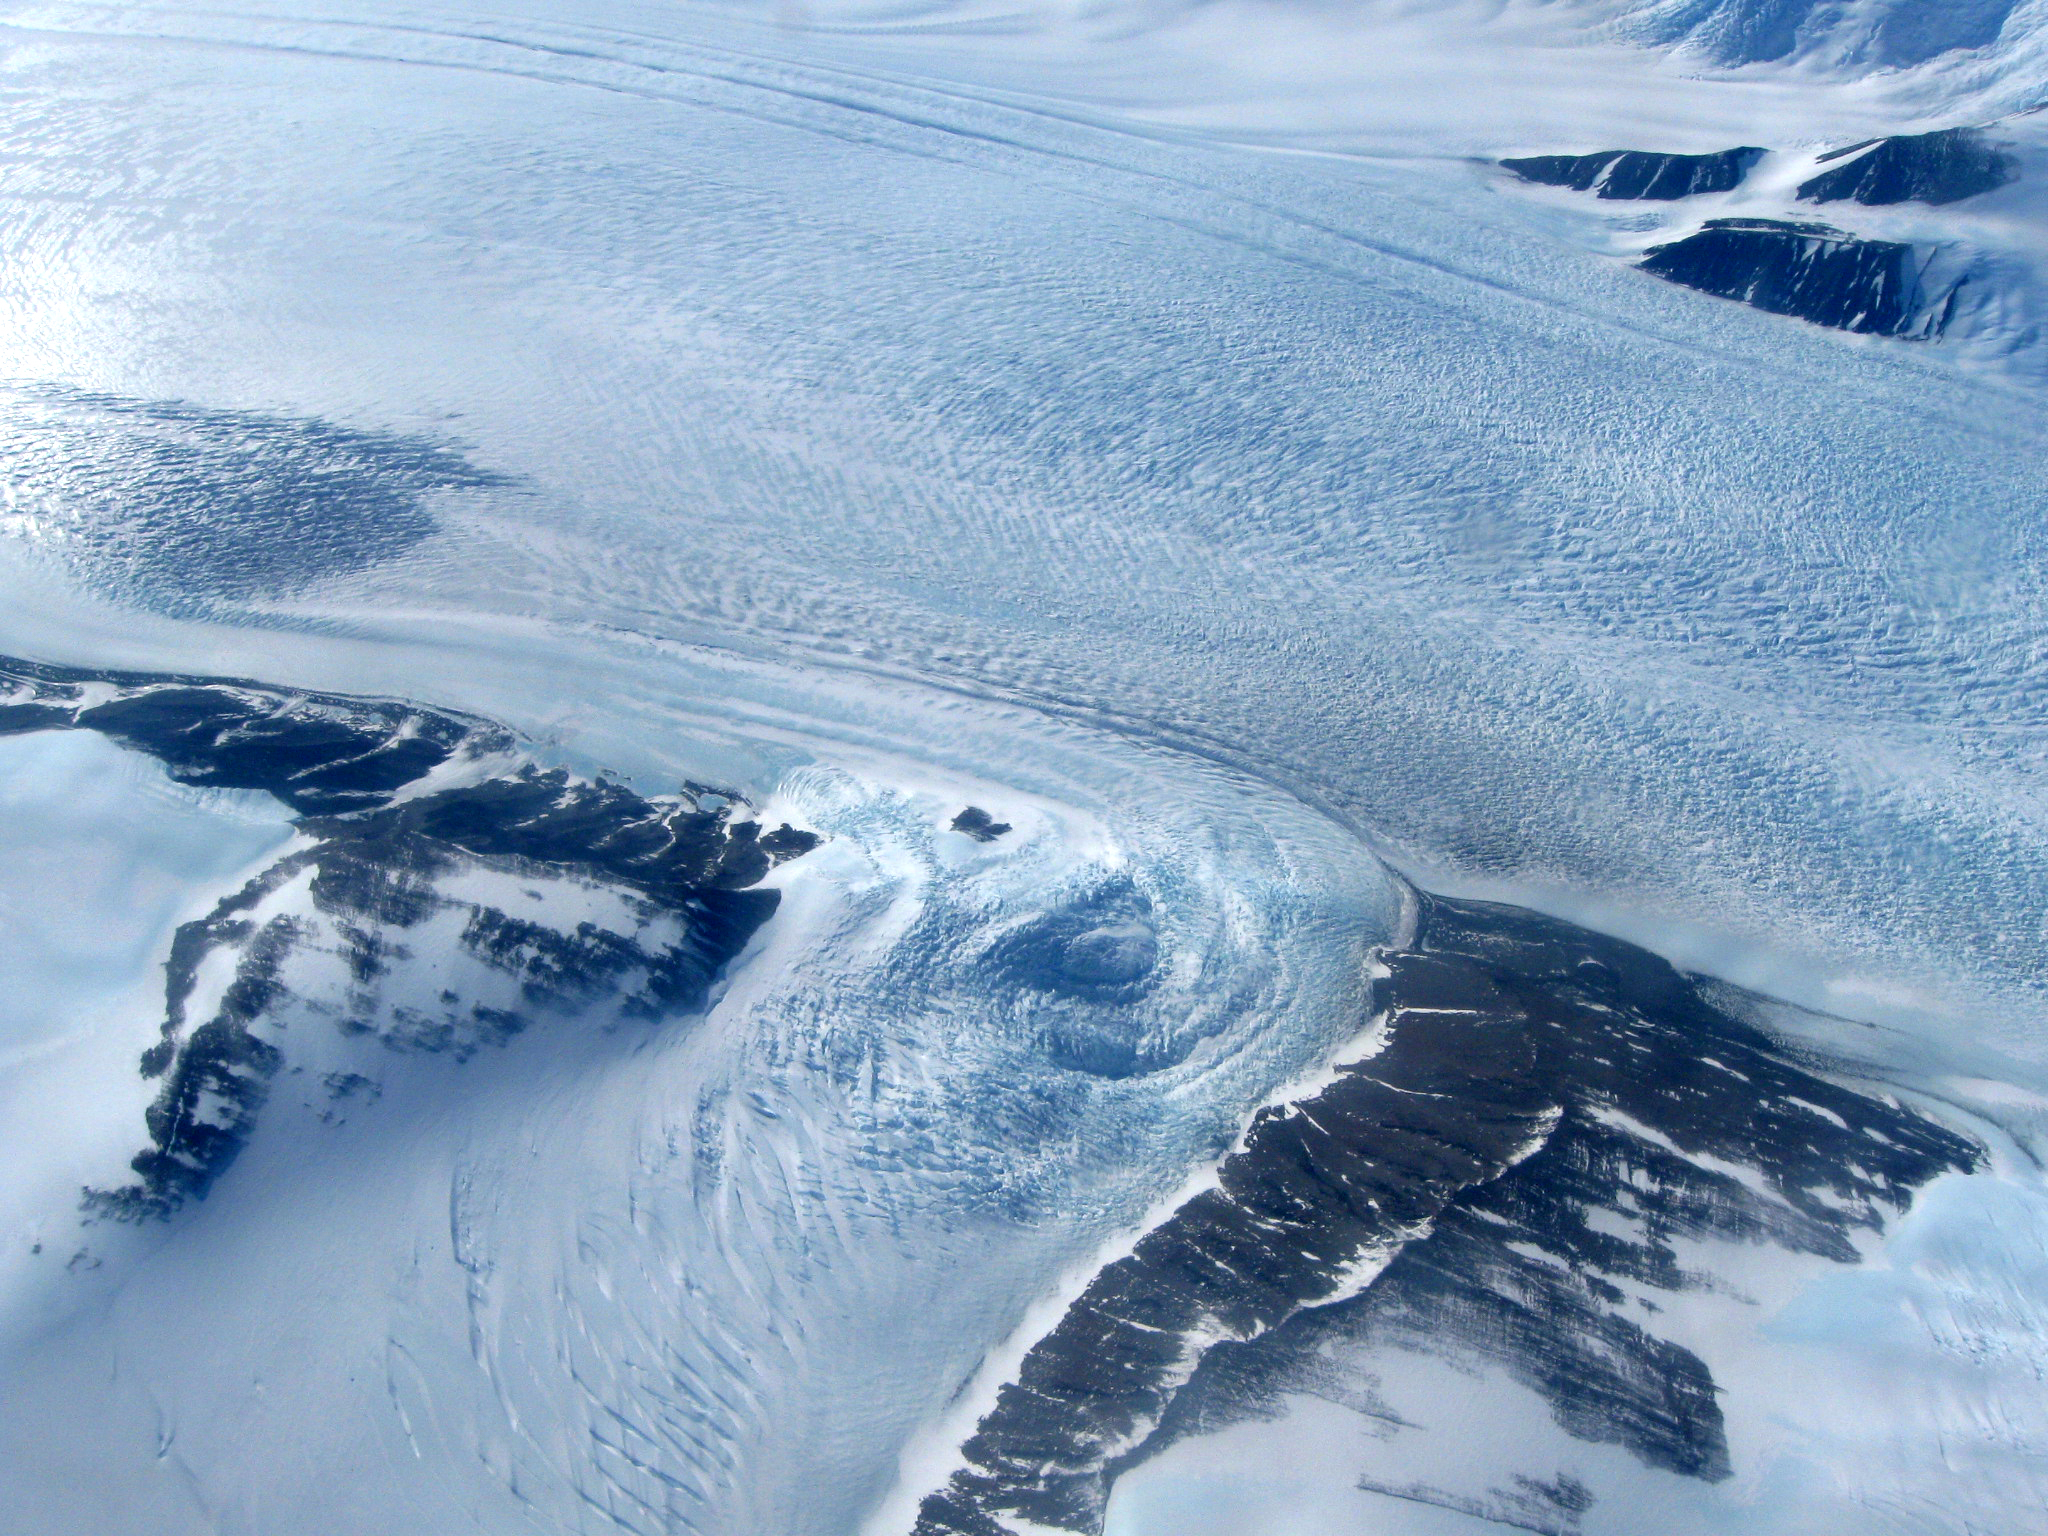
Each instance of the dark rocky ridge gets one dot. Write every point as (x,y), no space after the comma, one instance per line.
(1941,167)
(1637,175)
(979,825)
(1534,1076)
(378,847)
(1809,271)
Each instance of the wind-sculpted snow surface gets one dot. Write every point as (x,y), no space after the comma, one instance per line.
(794,770)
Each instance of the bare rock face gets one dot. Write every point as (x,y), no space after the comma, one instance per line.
(1809,271)
(1637,175)
(1941,167)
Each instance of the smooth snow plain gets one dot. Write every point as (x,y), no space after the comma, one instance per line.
(1154,424)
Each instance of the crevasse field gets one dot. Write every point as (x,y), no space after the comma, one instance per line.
(962,769)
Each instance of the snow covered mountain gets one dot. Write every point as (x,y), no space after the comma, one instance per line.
(878,769)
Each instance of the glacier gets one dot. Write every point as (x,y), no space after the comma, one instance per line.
(885,766)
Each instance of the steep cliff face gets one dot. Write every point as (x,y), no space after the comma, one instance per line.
(1895,266)
(1942,167)
(1809,271)
(1114,483)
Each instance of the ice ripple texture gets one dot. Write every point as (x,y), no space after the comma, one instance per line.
(180,506)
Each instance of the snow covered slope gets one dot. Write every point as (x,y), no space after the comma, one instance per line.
(707,695)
